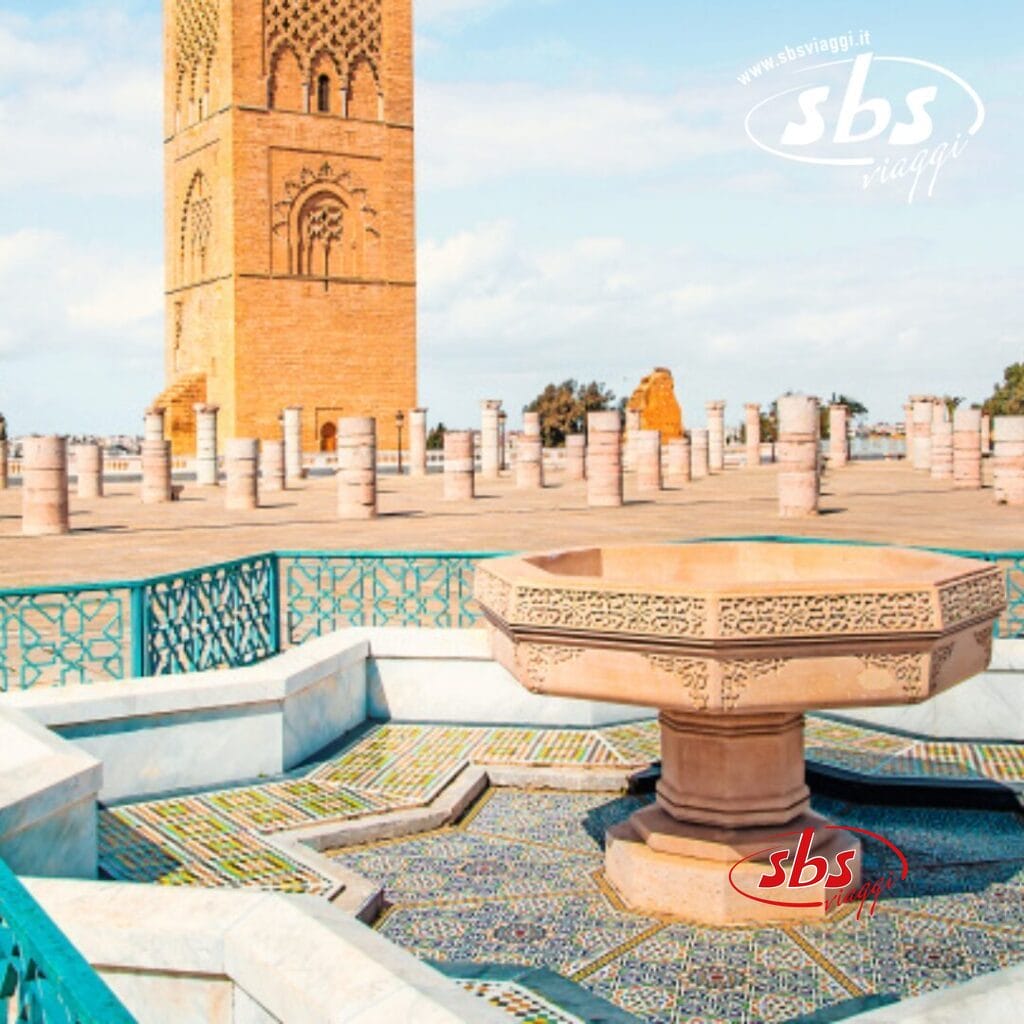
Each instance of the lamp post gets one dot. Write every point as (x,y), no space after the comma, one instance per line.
(502,416)
(399,420)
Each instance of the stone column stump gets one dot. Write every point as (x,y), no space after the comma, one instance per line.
(206,444)
(241,463)
(271,467)
(530,454)
(942,443)
(89,470)
(798,456)
(490,439)
(648,461)
(575,457)
(838,439)
(357,467)
(44,486)
(679,465)
(604,460)
(1008,459)
(752,434)
(292,424)
(698,453)
(716,436)
(418,442)
(459,475)
(967,448)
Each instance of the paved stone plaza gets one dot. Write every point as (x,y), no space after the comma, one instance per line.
(519,880)
(117,536)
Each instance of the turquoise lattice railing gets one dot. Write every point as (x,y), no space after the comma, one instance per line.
(43,978)
(240,612)
(328,590)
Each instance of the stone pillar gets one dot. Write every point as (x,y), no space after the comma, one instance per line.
(272,466)
(89,470)
(293,444)
(921,438)
(44,485)
(716,436)
(942,443)
(156,471)
(698,453)
(838,436)
(417,442)
(490,439)
(575,457)
(798,456)
(679,468)
(648,461)
(241,464)
(357,467)
(206,444)
(632,429)
(530,454)
(604,459)
(3,464)
(459,483)
(752,433)
(1008,459)
(967,448)
(153,429)
(986,434)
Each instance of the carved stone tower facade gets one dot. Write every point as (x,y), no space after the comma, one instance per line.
(289,214)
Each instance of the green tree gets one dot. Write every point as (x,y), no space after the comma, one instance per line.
(563,408)
(435,438)
(951,402)
(854,408)
(1007,398)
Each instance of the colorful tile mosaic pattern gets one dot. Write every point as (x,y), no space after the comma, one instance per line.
(519,1002)
(519,882)
(219,838)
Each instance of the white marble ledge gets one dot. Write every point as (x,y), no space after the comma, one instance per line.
(301,959)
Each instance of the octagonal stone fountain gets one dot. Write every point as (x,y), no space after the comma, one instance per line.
(733,642)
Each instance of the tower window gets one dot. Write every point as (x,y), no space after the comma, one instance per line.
(323,94)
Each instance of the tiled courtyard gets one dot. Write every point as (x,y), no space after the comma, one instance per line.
(512,894)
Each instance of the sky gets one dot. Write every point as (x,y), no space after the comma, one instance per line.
(589,205)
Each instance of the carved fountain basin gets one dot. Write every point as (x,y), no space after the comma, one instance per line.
(733,642)
(746,626)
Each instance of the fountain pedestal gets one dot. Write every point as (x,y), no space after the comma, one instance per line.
(733,642)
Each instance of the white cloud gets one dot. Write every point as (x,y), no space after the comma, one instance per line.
(524,313)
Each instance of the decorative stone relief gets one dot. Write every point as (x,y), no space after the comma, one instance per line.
(968,599)
(691,672)
(740,672)
(491,591)
(196,229)
(624,612)
(983,638)
(907,669)
(345,30)
(196,27)
(797,615)
(539,659)
(939,658)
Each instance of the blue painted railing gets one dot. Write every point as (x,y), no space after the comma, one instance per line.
(243,611)
(43,978)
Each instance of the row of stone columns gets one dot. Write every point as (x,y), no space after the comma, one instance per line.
(952,448)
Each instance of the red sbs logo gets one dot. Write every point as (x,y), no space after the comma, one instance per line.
(792,869)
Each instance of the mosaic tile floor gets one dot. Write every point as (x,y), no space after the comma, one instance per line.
(537,898)
(518,882)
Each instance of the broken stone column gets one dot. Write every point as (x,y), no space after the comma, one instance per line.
(292,424)
(698,453)
(530,454)
(89,470)
(418,442)
(838,439)
(575,457)
(357,467)
(206,444)
(272,467)
(752,433)
(967,448)
(1008,459)
(798,456)
(986,434)
(921,438)
(156,472)
(459,482)
(679,468)
(3,464)
(490,439)
(648,461)
(633,426)
(241,465)
(604,459)
(153,423)
(716,436)
(942,443)
(44,486)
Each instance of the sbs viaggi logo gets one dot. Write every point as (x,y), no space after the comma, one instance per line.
(898,120)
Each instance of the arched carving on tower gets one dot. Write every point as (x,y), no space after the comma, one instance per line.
(364,99)
(347,32)
(196,29)
(325,228)
(196,229)
(326,78)
(287,80)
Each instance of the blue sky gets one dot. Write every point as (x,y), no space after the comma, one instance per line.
(588,205)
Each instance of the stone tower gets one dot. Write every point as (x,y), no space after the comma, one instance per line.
(289,214)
